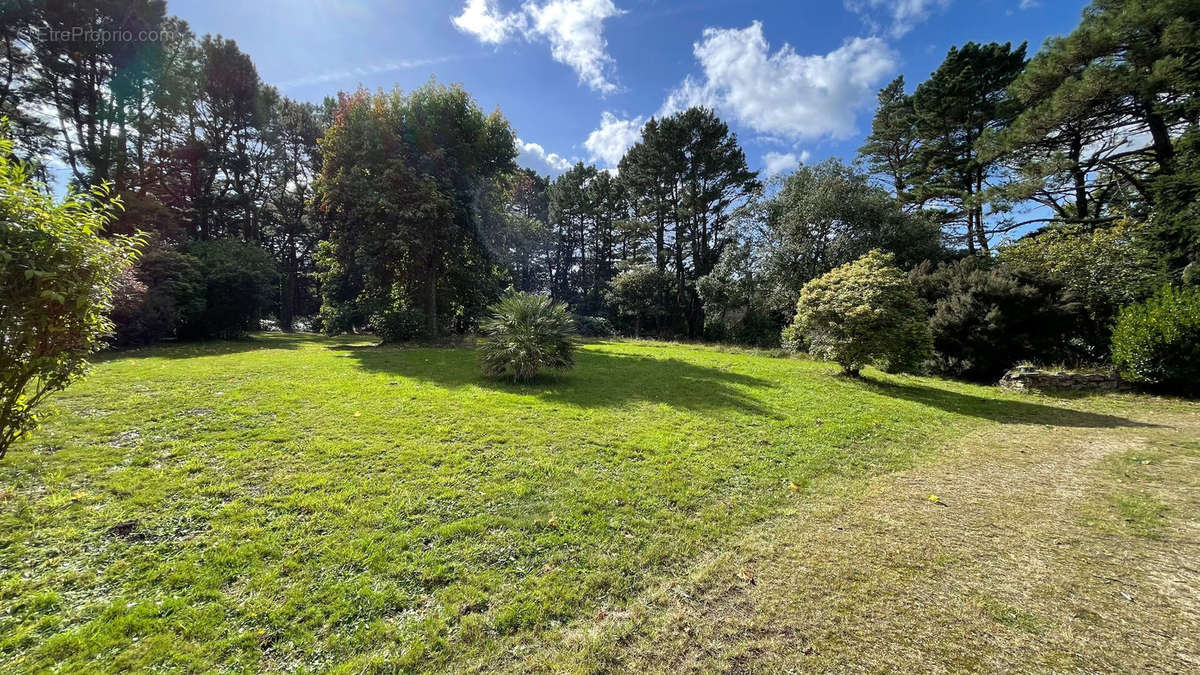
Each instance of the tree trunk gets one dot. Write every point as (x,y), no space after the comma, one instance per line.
(1079,178)
(1164,151)
(431,305)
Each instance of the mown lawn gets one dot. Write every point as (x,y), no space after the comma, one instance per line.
(311,503)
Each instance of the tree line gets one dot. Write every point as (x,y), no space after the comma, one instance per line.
(1029,199)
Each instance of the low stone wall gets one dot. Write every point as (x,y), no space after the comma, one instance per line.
(1025,378)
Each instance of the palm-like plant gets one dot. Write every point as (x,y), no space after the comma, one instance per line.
(525,334)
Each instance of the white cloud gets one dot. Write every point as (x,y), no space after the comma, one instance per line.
(574,29)
(1029,4)
(481,19)
(785,94)
(533,153)
(687,95)
(903,15)
(608,143)
(775,163)
(349,74)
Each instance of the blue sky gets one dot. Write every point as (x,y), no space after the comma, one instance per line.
(796,80)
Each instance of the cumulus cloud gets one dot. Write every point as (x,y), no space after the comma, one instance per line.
(534,153)
(784,94)
(608,143)
(481,19)
(775,163)
(573,28)
(687,95)
(1028,4)
(901,16)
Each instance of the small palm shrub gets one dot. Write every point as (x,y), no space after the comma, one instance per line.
(863,312)
(1157,342)
(525,334)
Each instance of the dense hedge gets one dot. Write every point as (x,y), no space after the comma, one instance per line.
(1157,342)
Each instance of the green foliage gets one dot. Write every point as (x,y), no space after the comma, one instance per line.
(399,322)
(986,317)
(891,148)
(685,178)
(1108,121)
(133,325)
(1157,342)
(1176,219)
(1102,270)
(594,326)
(964,99)
(827,215)
(162,292)
(239,285)
(57,275)
(401,181)
(525,334)
(737,304)
(639,295)
(864,312)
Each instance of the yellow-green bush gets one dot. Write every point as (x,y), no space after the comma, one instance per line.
(861,313)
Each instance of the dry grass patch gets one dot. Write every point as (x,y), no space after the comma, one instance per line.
(1046,548)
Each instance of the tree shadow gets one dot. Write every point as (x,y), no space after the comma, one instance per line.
(599,378)
(1003,411)
(187,349)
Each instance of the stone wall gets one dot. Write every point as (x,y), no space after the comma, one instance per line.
(1027,378)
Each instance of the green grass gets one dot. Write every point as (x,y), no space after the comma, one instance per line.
(311,503)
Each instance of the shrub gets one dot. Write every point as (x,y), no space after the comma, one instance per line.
(791,340)
(1102,270)
(638,294)
(1157,342)
(864,312)
(525,334)
(737,301)
(594,326)
(398,323)
(239,284)
(985,317)
(131,326)
(175,283)
(171,294)
(57,274)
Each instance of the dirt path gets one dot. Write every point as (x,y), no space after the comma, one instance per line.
(1048,549)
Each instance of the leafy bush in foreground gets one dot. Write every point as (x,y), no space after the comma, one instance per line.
(525,334)
(863,312)
(57,273)
(1157,342)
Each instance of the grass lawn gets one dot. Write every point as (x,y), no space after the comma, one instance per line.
(299,502)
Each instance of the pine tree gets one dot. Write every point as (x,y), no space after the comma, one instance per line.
(960,102)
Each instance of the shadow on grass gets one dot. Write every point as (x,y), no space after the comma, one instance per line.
(599,379)
(998,410)
(187,349)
